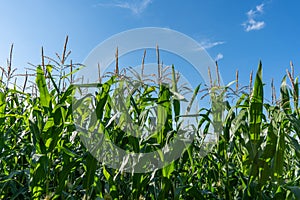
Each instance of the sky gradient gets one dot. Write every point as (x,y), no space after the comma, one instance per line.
(236,33)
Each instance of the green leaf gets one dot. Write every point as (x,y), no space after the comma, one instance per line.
(193,98)
(73,72)
(42,86)
(176,103)
(2,105)
(91,166)
(279,160)
(49,70)
(106,174)
(285,97)
(167,170)
(296,95)
(256,106)
(295,190)
(102,98)
(164,113)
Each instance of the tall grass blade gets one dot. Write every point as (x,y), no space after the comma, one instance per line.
(42,86)
(256,106)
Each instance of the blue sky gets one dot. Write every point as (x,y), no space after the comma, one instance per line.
(237,33)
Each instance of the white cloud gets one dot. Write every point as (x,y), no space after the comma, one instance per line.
(252,24)
(219,57)
(135,6)
(208,44)
(260,8)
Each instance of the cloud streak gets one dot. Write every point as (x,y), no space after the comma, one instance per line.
(135,6)
(252,24)
(208,44)
(219,57)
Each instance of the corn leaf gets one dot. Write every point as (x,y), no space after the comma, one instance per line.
(256,106)
(42,86)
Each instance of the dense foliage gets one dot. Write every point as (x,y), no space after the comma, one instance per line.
(42,156)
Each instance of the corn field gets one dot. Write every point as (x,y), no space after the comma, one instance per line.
(42,155)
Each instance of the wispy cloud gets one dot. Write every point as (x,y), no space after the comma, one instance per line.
(135,6)
(208,44)
(252,24)
(219,57)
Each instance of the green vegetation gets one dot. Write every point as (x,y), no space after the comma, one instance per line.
(43,157)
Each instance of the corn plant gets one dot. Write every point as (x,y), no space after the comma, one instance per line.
(44,152)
